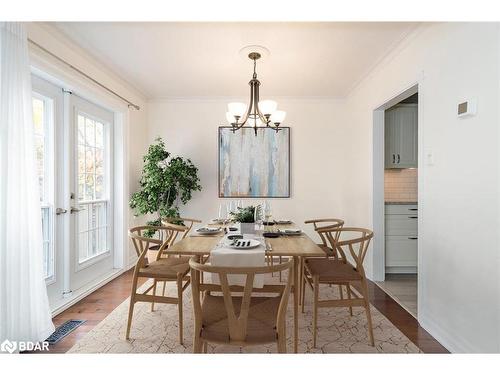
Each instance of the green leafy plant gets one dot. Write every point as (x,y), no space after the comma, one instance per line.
(246,214)
(165,183)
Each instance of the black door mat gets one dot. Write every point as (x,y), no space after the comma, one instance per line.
(63,330)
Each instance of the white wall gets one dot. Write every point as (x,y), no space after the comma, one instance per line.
(189,128)
(134,121)
(459,264)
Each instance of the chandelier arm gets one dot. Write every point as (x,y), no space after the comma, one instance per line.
(256,106)
(244,119)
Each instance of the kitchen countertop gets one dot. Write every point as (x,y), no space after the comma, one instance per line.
(400,202)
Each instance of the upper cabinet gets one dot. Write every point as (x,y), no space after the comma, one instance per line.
(401,136)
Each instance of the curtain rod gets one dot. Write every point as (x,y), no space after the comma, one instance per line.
(130,104)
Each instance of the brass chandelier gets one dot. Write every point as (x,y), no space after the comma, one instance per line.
(259,112)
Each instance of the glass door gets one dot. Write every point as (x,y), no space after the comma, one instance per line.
(47,100)
(91,176)
(73,146)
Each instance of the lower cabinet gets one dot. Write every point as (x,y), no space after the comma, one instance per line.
(401,238)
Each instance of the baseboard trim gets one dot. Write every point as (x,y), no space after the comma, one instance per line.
(451,342)
(84,292)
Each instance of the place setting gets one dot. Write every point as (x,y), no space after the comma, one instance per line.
(207,231)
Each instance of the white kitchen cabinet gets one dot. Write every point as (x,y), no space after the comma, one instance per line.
(401,136)
(401,253)
(401,238)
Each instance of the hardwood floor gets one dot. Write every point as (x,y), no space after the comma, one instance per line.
(95,307)
(403,288)
(402,319)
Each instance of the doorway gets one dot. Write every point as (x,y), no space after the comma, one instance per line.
(74,148)
(396,125)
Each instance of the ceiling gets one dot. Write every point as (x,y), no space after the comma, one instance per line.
(201,59)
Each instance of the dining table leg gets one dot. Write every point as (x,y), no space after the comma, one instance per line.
(295,304)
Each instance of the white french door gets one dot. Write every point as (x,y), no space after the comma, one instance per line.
(73,141)
(48,126)
(91,176)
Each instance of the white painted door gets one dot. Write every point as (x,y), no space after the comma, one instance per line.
(73,146)
(91,177)
(48,138)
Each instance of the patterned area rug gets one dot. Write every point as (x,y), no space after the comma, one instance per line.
(157,332)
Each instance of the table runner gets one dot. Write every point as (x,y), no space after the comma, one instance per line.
(223,256)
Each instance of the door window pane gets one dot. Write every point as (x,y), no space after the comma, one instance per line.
(42,128)
(92,189)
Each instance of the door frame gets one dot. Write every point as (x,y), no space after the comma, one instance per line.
(378,201)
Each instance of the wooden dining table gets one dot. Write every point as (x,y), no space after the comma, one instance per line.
(295,246)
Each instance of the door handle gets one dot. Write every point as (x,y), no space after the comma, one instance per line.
(60,211)
(413,209)
(399,158)
(393,159)
(412,217)
(74,209)
(413,238)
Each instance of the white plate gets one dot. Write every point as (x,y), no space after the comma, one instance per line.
(208,231)
(292,232)
(283,222)
(253,244)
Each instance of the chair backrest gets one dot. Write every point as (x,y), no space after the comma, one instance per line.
(324,224)
(142,242)
(188,223)
(356,240)
(237,325)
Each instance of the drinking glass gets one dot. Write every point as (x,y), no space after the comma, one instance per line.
(257,216)
(267,211)
(229,209)
(222,212)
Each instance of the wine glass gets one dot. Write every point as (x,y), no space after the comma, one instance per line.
(267,211)
(222,212)
(257,215)
(229,209)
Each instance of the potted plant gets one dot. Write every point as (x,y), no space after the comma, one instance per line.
(165,183)
(246,216)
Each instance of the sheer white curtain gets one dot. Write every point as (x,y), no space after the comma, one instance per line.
(24,307)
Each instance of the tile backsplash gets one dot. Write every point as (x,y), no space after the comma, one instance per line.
(400,185)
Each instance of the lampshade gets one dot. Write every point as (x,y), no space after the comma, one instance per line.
(278,117)
(230,118)
(267,107)
(237,109)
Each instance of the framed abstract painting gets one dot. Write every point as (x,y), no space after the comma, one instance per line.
(254,166)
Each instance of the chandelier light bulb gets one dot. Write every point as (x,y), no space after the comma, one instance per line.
(278,117)
(237,109)
(267,107)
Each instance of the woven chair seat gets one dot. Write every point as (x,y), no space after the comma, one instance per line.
(261,326)
(168,268)
(330,270)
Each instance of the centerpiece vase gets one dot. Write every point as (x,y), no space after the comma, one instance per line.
(247,228)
